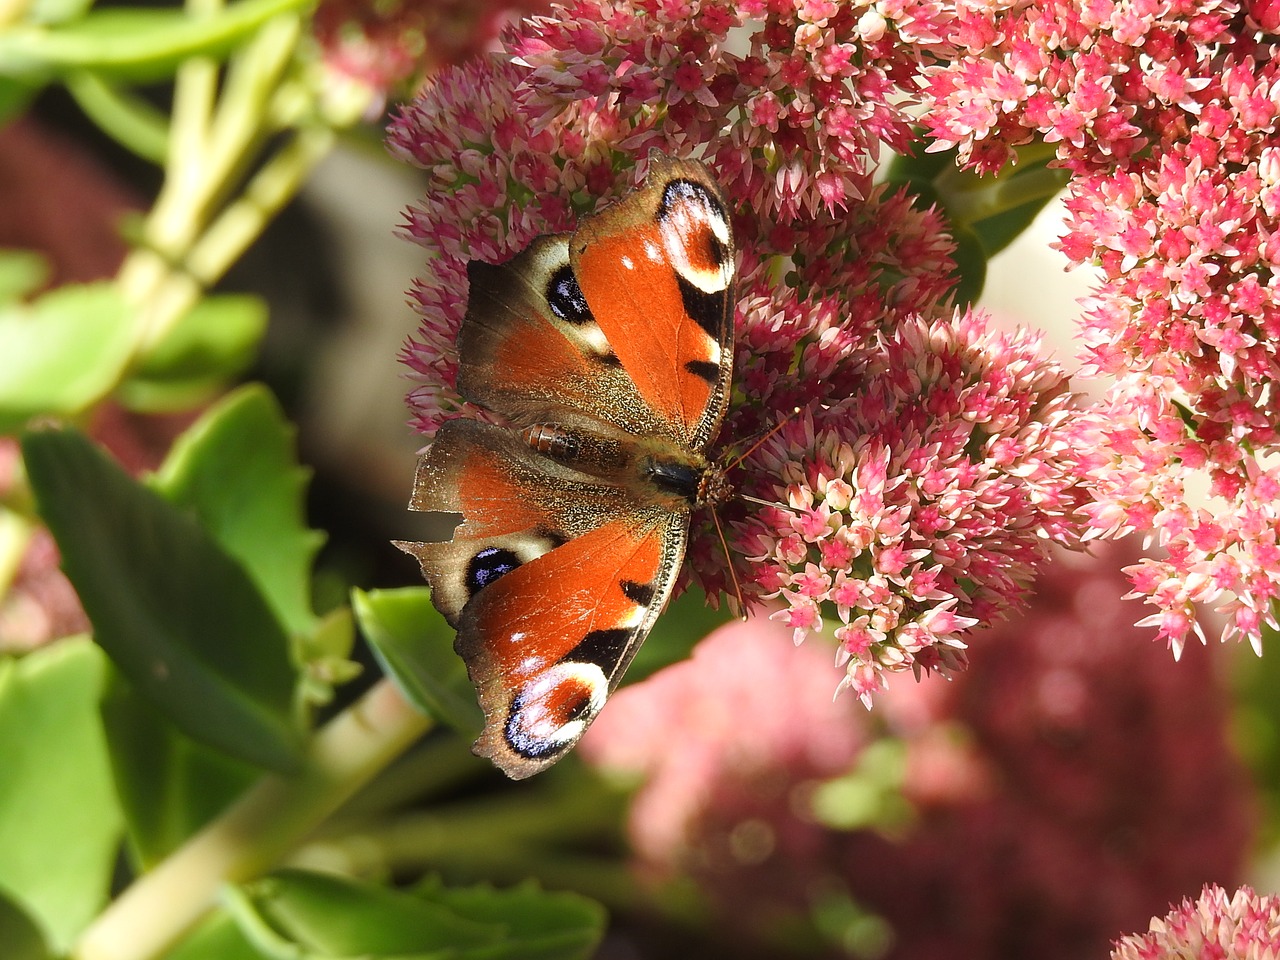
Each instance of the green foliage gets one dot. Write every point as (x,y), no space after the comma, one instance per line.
(300,914)
(59,822)
(137,43)
(206,348)
(21,274)
(236,471)
(986,214)
(168,784)
(1257,726)
(18,932)
(414,646)
(177,614)
(62,353)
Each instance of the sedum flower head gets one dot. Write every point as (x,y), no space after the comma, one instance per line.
(1167,115)
(920,504)
(1217,926)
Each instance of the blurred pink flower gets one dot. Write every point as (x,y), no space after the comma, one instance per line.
(769,727)
(1063,790)
(1242,926)
(392,44)
(1166,115)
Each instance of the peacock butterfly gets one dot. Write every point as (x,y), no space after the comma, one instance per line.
(608,352)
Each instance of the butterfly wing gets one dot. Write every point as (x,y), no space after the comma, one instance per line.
(620,332)
(551,581)
(658,270)
(530,347)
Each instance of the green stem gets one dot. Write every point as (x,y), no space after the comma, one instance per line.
(256,832)
(508,835)
(235,229)
(129,120)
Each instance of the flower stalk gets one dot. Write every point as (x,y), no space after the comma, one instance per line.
(257,831)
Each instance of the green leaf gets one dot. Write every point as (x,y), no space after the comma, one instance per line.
(236,469)
(134,43)
(539,925)
(61,353)
(207,348)
(318,915)
(326,652)
(414,645)
(1000,229)
(180,618)
(59,822)
(971,264)
(168,784)
(22,272)
(327,915)
(18,932)
(1256,727)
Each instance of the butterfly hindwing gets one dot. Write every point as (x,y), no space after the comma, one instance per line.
(546,645)
(516,505)
(661,265)
(550,585)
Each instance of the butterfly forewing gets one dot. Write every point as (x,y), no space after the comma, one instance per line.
(663,262)
(530,347)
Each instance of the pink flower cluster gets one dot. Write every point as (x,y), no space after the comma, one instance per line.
(920,499)
(1063,790)
(394,43)
(1242,926)
(1167,115)
(928,470)
(790,100)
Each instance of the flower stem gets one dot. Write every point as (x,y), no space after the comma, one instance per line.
(256,832)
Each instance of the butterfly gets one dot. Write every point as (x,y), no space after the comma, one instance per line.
(608,353)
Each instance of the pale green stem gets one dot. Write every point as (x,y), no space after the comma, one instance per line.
(256,832)
(235,229)
(210,147)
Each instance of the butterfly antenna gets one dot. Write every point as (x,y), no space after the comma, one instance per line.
(766,503)
(760,442)
(752,449)
(733,574)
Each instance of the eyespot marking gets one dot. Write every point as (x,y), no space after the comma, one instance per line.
(550,712)
(565,298)
(487,566)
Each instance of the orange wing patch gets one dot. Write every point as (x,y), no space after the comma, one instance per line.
(539,612)
(658,272)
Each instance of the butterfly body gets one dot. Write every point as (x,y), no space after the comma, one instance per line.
(607,352)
